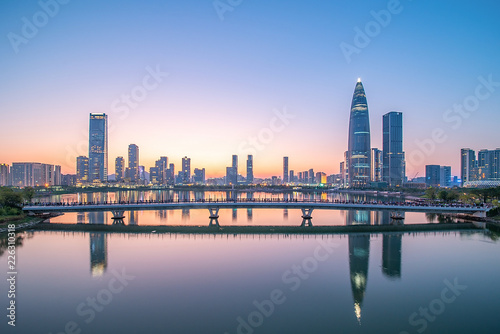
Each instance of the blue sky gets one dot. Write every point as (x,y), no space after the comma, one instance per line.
(227,77)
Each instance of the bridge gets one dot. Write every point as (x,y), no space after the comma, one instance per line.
(213,206)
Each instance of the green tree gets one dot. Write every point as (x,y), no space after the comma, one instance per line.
(431,193)
(443,195)
(9,198)
(28,193)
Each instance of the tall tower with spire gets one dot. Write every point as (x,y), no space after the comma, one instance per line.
(359,139)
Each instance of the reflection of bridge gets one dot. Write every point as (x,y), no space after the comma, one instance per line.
(306,206)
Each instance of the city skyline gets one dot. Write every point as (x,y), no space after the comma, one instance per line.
(190,105)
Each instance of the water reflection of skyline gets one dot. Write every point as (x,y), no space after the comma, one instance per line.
(359,254)
(98,253)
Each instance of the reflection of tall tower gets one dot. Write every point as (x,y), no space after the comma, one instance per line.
(391,255)
(96,217)
(359,252)
(358,217)
(359,256)
(133,218)
(359,139)
(249,215)
(80,217)
(98,254)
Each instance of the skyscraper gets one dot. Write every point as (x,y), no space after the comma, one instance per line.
(133,163)
(467,165)
(232,172)
(235,163)
(171,174)
(250,169)
(82,169)
(445,176)
(98,148)
(376,165)
(311,179)
(162,165)
(285,169)
(119,168)
(186,170)
(199,175)
(393,155)
(432,175)
(359,139)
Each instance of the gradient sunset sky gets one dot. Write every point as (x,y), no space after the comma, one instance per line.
(228,77)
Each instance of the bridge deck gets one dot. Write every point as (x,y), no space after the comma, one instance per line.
(252,205)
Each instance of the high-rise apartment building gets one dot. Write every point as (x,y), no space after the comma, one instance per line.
(119,169)
(4,175)
(35,174)
(199,175)
(186,170)
(132,172)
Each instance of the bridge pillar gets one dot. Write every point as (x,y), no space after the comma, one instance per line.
(306,222)
(307,213)
(117,214)
(214,222)
(214,213)
(306,216)
(118,221)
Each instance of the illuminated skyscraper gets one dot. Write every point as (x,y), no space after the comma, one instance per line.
(82,169)
(393,155)
(359,139)
(98,148)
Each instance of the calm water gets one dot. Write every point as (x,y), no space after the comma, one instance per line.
(381,283)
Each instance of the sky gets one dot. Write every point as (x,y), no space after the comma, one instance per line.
(208,79)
